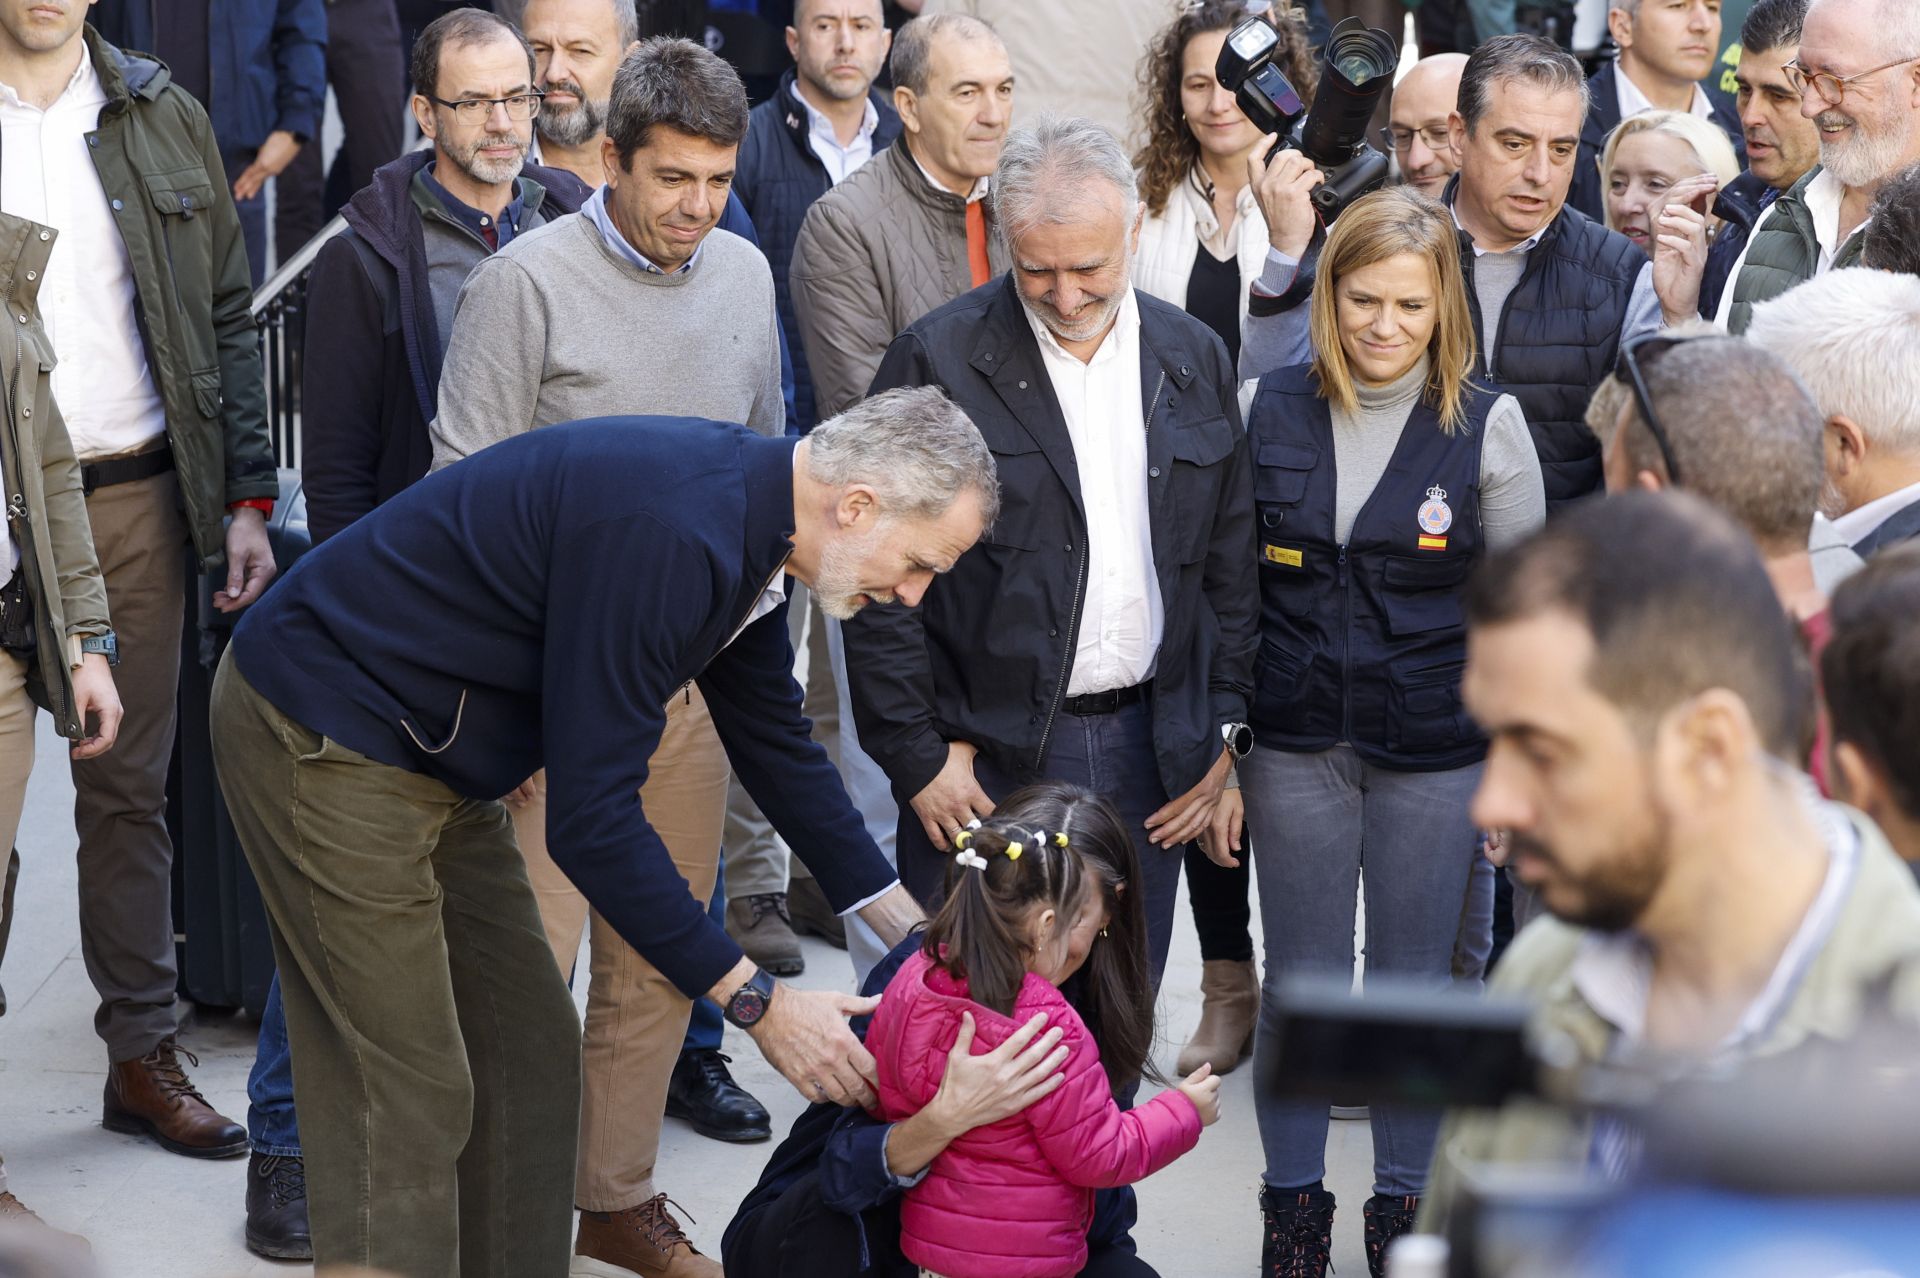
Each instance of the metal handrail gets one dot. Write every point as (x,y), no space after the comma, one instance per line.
(280,312)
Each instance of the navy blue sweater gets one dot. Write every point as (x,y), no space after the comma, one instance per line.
(538,605)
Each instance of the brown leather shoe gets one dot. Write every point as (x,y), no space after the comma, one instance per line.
(14,1212)
(153,1097)
(640,1242)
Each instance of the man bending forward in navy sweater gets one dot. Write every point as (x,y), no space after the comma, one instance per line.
(536,605)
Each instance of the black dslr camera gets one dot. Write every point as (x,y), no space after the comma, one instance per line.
(1360,63)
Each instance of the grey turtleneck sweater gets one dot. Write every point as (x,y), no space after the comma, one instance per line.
(1512,502)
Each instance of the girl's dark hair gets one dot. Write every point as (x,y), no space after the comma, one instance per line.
(1171,150)
(977,937)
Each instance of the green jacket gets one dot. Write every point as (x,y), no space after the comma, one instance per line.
(160,167)
(1874,950)
(1784,253)
(46,512)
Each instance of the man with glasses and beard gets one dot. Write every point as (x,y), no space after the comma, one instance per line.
(380,307)
(1866,106)
(1647,704)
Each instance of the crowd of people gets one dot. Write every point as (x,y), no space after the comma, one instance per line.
(938,509)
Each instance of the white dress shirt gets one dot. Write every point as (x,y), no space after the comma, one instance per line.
(101,380)
(1857,523)
(1633,102)
(1824,195)
(840,160)
(1122,617)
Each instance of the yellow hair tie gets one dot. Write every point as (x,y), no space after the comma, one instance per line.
(961,839)
(1060,839)
(1013,851)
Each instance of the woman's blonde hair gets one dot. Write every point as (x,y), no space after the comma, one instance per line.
(1711,149)
(1379,226)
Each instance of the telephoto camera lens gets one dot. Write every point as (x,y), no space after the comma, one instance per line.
(1360,67)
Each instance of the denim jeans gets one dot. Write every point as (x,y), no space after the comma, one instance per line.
(1315,821)
(253,214)
(1110,754)
(272,1123)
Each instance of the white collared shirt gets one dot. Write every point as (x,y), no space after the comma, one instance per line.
(840,161)
(1857,523)
(101,380)
(1524,246)
(1824,196)
(1122,617)
(1633,102)
(978,193)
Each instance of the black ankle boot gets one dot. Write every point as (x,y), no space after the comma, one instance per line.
(1387,1218)
(1299,1238)
(277,1208)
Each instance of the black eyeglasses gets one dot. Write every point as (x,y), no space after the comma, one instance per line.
(520,107)
(1630,368)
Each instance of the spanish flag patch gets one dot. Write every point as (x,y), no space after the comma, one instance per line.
(1433,543)
(1285,556)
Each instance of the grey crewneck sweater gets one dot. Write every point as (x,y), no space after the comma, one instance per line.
(557,326)
(1512,500)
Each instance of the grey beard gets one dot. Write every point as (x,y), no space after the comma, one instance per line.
(1864,160)
(575,128)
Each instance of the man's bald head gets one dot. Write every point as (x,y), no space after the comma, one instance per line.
(1422,101)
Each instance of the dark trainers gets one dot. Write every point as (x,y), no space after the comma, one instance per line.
(761,926)
(812,914)
(703,1093)
(277,1208)
(1298,1242)
(1387,1218)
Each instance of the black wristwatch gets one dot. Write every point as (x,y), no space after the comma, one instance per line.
(750,1002)
(104,645)
(1239,739)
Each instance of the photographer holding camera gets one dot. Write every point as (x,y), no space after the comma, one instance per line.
(1553,294)
(1646,702)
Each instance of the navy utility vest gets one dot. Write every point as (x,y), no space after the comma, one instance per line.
(1558,338)
(1365,642)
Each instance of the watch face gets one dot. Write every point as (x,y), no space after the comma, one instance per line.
(747,1006)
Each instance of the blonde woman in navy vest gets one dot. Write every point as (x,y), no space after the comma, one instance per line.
(1384,472)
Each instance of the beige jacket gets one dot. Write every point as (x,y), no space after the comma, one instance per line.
(876,253)
(1874,947)
(46,512)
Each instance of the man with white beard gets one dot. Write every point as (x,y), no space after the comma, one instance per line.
(1866,108)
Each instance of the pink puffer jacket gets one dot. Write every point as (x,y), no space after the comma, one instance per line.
(1013,1199)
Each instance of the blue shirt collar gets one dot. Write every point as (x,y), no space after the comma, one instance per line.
(473,219)
(595,210)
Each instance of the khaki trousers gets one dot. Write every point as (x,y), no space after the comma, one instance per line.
(120,798)
(16,765)
(636,1019)
(435,1048)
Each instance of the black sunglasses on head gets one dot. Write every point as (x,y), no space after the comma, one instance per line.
(1630,368)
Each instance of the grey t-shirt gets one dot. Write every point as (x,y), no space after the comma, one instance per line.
(1512,500)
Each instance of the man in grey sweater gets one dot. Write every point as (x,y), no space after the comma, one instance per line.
(635,305)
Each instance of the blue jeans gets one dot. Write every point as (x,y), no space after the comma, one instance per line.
(1110,754)
(274,1127)
(253,213)
(1315,820)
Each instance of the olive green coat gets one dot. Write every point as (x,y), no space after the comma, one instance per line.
(45,510)
(160,167)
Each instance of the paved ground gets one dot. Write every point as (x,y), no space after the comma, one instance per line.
(153,1215)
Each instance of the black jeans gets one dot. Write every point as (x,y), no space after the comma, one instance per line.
(366,66)
(799,1236)
(1222,914)
(1109,754)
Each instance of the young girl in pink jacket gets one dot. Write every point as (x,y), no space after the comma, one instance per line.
(1013,1199)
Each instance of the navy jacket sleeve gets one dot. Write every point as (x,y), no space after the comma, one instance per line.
(300,56)
(735,218)
(607,677)
(1230,578)
(889,675)
(341,377)
(756,707)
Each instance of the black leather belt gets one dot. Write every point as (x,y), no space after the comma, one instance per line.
(124,470)
(1088,703)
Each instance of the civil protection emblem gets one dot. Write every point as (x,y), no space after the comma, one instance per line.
(1435,516)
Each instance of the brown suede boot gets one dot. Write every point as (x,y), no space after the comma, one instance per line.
(153,1097)
(1230,1004)
(14,1212)
(640,1242)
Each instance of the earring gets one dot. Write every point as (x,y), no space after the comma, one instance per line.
(1103,934)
